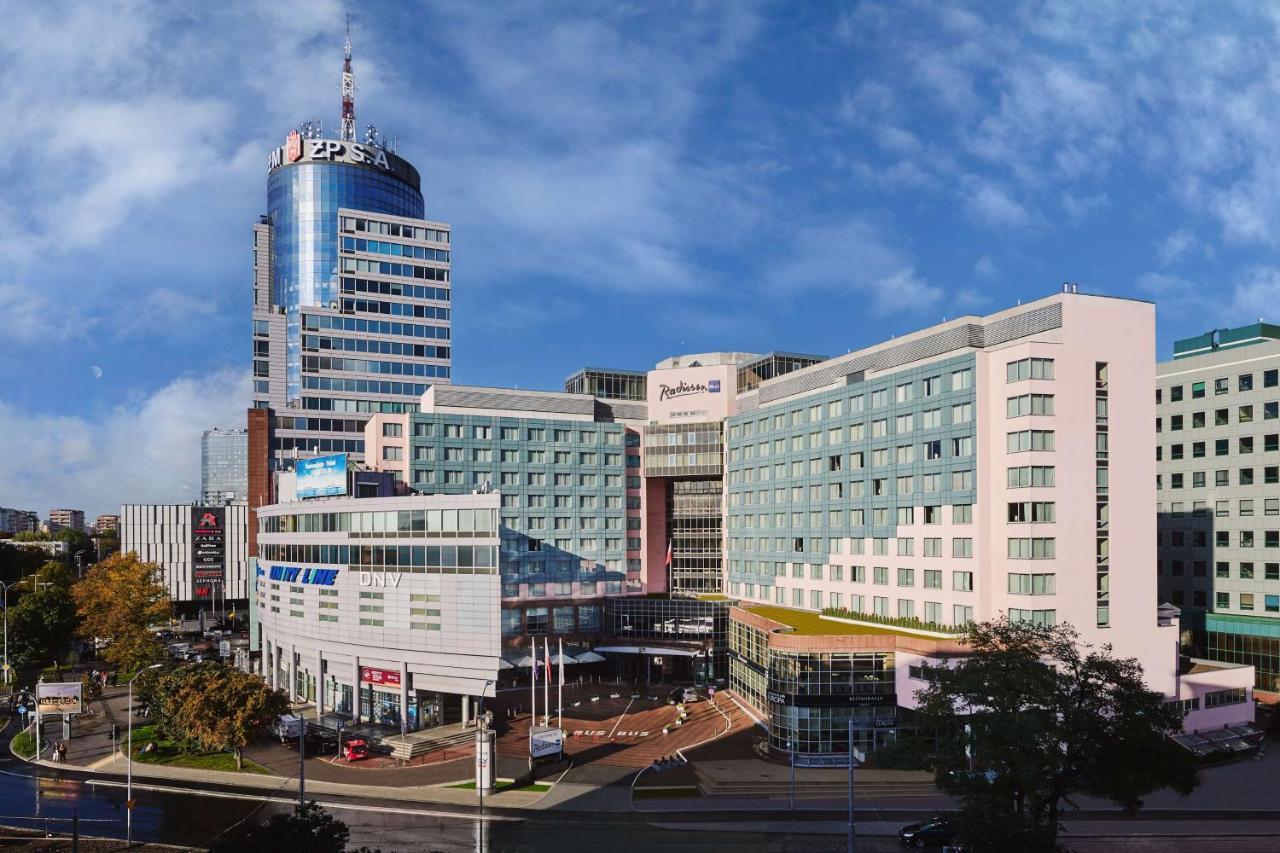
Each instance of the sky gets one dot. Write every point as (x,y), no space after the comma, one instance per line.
(625,181)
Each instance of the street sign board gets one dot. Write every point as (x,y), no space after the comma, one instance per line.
(59,697)
(544,741)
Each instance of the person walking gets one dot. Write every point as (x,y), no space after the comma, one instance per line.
(62,752)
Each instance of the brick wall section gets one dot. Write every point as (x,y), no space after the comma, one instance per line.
(260,486)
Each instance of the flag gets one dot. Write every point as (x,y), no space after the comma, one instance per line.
(546,645)
(561,681)
(668,563)
(533,665)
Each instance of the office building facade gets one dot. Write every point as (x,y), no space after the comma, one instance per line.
(351,313)
(1218,493)
(224,466)
(202,551)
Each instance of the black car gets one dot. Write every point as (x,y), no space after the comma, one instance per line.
(321,741)
(934,832)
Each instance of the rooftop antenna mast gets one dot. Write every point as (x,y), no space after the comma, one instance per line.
(348,133)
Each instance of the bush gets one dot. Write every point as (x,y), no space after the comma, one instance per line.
(24,745)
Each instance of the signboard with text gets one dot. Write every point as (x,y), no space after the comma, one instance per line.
(60,697)
(545,741)
(208,547)
(380,677)
(321,476)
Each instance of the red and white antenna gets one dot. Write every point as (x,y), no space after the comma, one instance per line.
(348,132)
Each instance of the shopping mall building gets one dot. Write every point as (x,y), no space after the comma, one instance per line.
(808,531)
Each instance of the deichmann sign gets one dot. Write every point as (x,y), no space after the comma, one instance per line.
(684,389)
(60,697)
(299,150)
(208,544)
(380,677)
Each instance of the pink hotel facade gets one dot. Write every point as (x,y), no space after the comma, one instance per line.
(988,466)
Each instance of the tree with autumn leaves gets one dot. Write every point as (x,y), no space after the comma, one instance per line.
(118,600)
(211,707)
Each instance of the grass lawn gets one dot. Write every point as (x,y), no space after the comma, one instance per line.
(507,785)
(24,744)
(168,754)
(665,793)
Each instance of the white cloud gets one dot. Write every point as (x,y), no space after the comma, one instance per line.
(985,269)
(144,450)
(1255,296)
(29,316)
(991,205)
(1175,246)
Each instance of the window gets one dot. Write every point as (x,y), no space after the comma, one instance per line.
(1032,584)
(962,547)
(962,581)
(1245,382)
(1220,386)
(961,379)
(1175,394)
(1029,404)
(1030,475)
(933,579)
(1197,390)
(1270,378)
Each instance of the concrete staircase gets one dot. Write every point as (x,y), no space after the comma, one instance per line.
(414,744)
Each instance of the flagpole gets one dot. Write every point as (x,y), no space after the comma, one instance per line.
(560,685)
(546,682)
(533,687)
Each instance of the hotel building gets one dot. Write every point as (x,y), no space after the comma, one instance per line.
(810,531)
(1218,493)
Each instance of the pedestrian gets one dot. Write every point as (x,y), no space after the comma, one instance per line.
(53,754)
(62,752)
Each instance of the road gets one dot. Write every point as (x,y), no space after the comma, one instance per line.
(30,796)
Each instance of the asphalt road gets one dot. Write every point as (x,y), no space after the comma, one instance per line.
(31,796)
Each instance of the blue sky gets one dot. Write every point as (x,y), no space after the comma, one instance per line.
(626,181)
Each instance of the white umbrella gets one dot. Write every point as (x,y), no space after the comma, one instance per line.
(559,659)
(505,664)
(527,660)
(590,657)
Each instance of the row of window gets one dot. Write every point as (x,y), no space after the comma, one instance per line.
(1246,601)
(1028,368)
(485,432)
(1221,417)
(931,611)
(316,343)
(390,268)
(395,309)
(405,557)
(902,393)
(1222,569)
(1221,509)
(318,322)
(436,522)
(373,386)
(394,229)
(841,435)
(1221,477)
(397,250)
(1221,447)
(315,363)
(394,288)
(1221,385)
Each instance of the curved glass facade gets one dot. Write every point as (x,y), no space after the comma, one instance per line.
(303,202)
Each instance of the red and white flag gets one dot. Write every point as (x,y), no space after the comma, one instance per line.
(546,647)
(668,563)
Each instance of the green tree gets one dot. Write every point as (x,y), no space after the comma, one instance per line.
(221,708)
(31,536)
(17,562)
(309,828)
(42,626)
(119,600)
(1048,717)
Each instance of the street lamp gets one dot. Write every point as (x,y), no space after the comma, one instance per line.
(5,586)
(483,751)
(129,760)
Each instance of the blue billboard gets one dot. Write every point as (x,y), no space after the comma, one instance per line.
(322,476)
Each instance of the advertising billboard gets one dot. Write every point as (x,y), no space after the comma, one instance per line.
(208,547)
(322,476)
(59,697)
(381,677)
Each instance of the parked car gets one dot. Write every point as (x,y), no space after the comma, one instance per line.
(684,694)
(355,749)
(934,832)
(286,727)
(321,741)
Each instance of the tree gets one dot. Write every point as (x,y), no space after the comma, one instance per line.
(31,536)
(42,625)
(1046,717)
(219,708)
(119,600)
(308,828)
(17,562)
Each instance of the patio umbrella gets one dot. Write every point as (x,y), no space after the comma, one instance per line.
(590,657)
(505,664)
(525,661)
(559,659)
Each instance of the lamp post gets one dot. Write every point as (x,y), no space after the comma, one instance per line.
(129,760)
(5,586)
(483,750)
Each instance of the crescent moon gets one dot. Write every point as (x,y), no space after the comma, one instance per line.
(97,371)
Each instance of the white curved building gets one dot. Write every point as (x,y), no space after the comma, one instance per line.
(384,610)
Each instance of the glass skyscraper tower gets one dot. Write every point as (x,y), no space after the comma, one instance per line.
(351,292)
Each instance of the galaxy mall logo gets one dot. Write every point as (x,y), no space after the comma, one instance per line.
(326,149)
(684,389)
